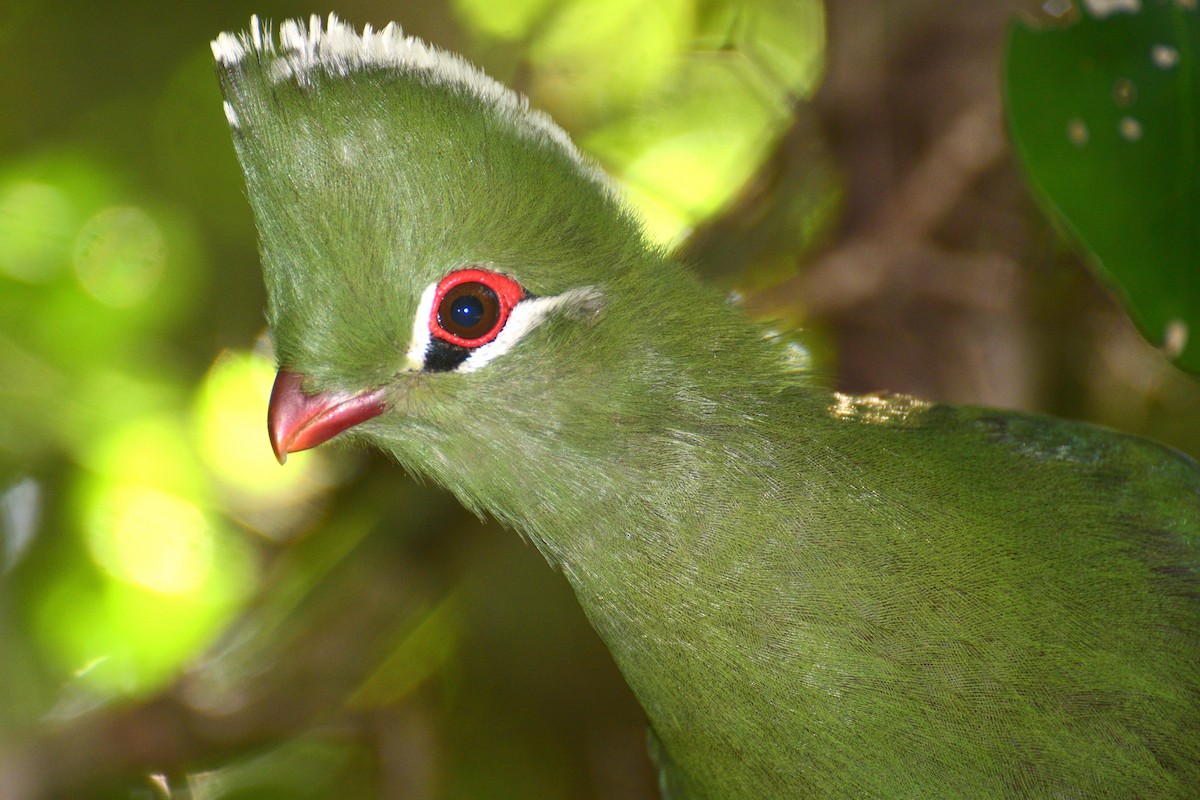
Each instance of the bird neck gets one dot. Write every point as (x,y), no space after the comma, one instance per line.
(607,459)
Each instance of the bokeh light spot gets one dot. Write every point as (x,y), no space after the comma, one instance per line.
(119,256)
(151,451)
(232,428)
(150,538)
(35,228)
(510,20)
(575,73)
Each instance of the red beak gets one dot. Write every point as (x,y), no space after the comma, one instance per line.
(297,421)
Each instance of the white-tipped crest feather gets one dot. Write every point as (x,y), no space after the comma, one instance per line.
(335,48)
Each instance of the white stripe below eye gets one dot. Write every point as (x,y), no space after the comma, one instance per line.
(525,316)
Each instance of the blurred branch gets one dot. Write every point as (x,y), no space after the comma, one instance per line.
(905,229)
(935,221)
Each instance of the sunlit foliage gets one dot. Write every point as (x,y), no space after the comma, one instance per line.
(178,611)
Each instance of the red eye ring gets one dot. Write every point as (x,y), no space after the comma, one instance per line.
(497,293)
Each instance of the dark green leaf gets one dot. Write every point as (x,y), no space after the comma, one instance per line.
(1103,116)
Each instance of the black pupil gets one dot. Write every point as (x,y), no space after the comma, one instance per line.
(466,311)
(469,310)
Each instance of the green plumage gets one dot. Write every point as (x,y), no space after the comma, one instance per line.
(812,595)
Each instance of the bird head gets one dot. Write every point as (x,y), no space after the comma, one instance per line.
(450,280)
(419,224)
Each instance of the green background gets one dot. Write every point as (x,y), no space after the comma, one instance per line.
(179,616)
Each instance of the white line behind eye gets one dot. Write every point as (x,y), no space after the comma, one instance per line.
(525,316)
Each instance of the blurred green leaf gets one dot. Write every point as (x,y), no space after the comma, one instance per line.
(1103,114)
(511,20)
(422,649)
(607,55)
(680,100)
(303,768)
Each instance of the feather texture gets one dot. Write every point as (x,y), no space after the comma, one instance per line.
(811,594)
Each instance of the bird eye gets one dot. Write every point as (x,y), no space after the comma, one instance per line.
(471,306)
(469,310)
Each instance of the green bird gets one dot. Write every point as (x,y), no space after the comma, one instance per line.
(812,595)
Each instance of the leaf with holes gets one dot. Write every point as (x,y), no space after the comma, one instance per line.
(1103,114)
